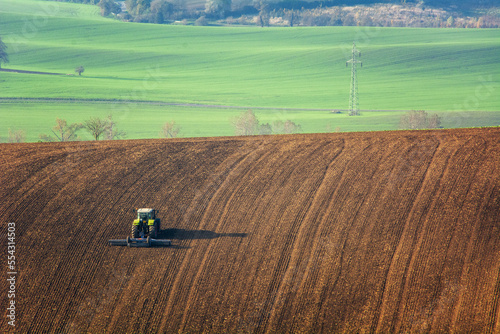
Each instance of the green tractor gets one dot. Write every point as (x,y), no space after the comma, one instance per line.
(144,231)
(146,224)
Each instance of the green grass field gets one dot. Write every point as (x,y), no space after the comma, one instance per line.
(454,72)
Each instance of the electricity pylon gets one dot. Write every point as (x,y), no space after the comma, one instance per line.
(353,97)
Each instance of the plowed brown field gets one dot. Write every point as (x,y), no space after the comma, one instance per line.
(380,232)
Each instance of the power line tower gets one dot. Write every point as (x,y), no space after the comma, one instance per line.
(353,97)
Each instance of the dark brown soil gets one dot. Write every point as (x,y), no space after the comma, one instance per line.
(382,232)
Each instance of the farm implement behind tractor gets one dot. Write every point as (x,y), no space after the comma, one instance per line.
(144,231)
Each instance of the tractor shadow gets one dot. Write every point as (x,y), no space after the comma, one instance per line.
(182,234)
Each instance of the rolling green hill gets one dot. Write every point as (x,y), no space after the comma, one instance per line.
(444,70)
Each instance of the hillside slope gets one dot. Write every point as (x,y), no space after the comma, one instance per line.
(370,232)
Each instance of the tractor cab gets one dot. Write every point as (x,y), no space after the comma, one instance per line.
(146,223)
(146,214)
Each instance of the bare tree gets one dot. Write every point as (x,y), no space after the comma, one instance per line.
(287,127)
(79,70)
(17,136)
(434,122)
(265,129)
(330,129)
(111,132)
(419,119)
(246,124)
(62,131)
(96,126)
(105,127)
(291,127)
(169,130)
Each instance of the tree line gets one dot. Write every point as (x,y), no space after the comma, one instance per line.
(379,15)
(418,120)
(106,129)
(98,128)
(245,124)
(395,13)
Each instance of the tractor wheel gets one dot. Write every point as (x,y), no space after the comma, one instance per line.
(152,231)
(157,226)
(135,231)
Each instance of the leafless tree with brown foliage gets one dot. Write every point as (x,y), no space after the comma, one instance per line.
(246,124)
(96,126)
(111,132)
(170,130)
(419,119)
(105,127)
(79,70)
(17,136)
(286,127)
(62,131)
(265,129)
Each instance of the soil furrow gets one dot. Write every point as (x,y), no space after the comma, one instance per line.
(321,233)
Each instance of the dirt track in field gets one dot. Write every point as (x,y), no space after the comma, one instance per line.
(380,232)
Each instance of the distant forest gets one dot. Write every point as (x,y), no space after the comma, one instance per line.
(461,4)
(392,13)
